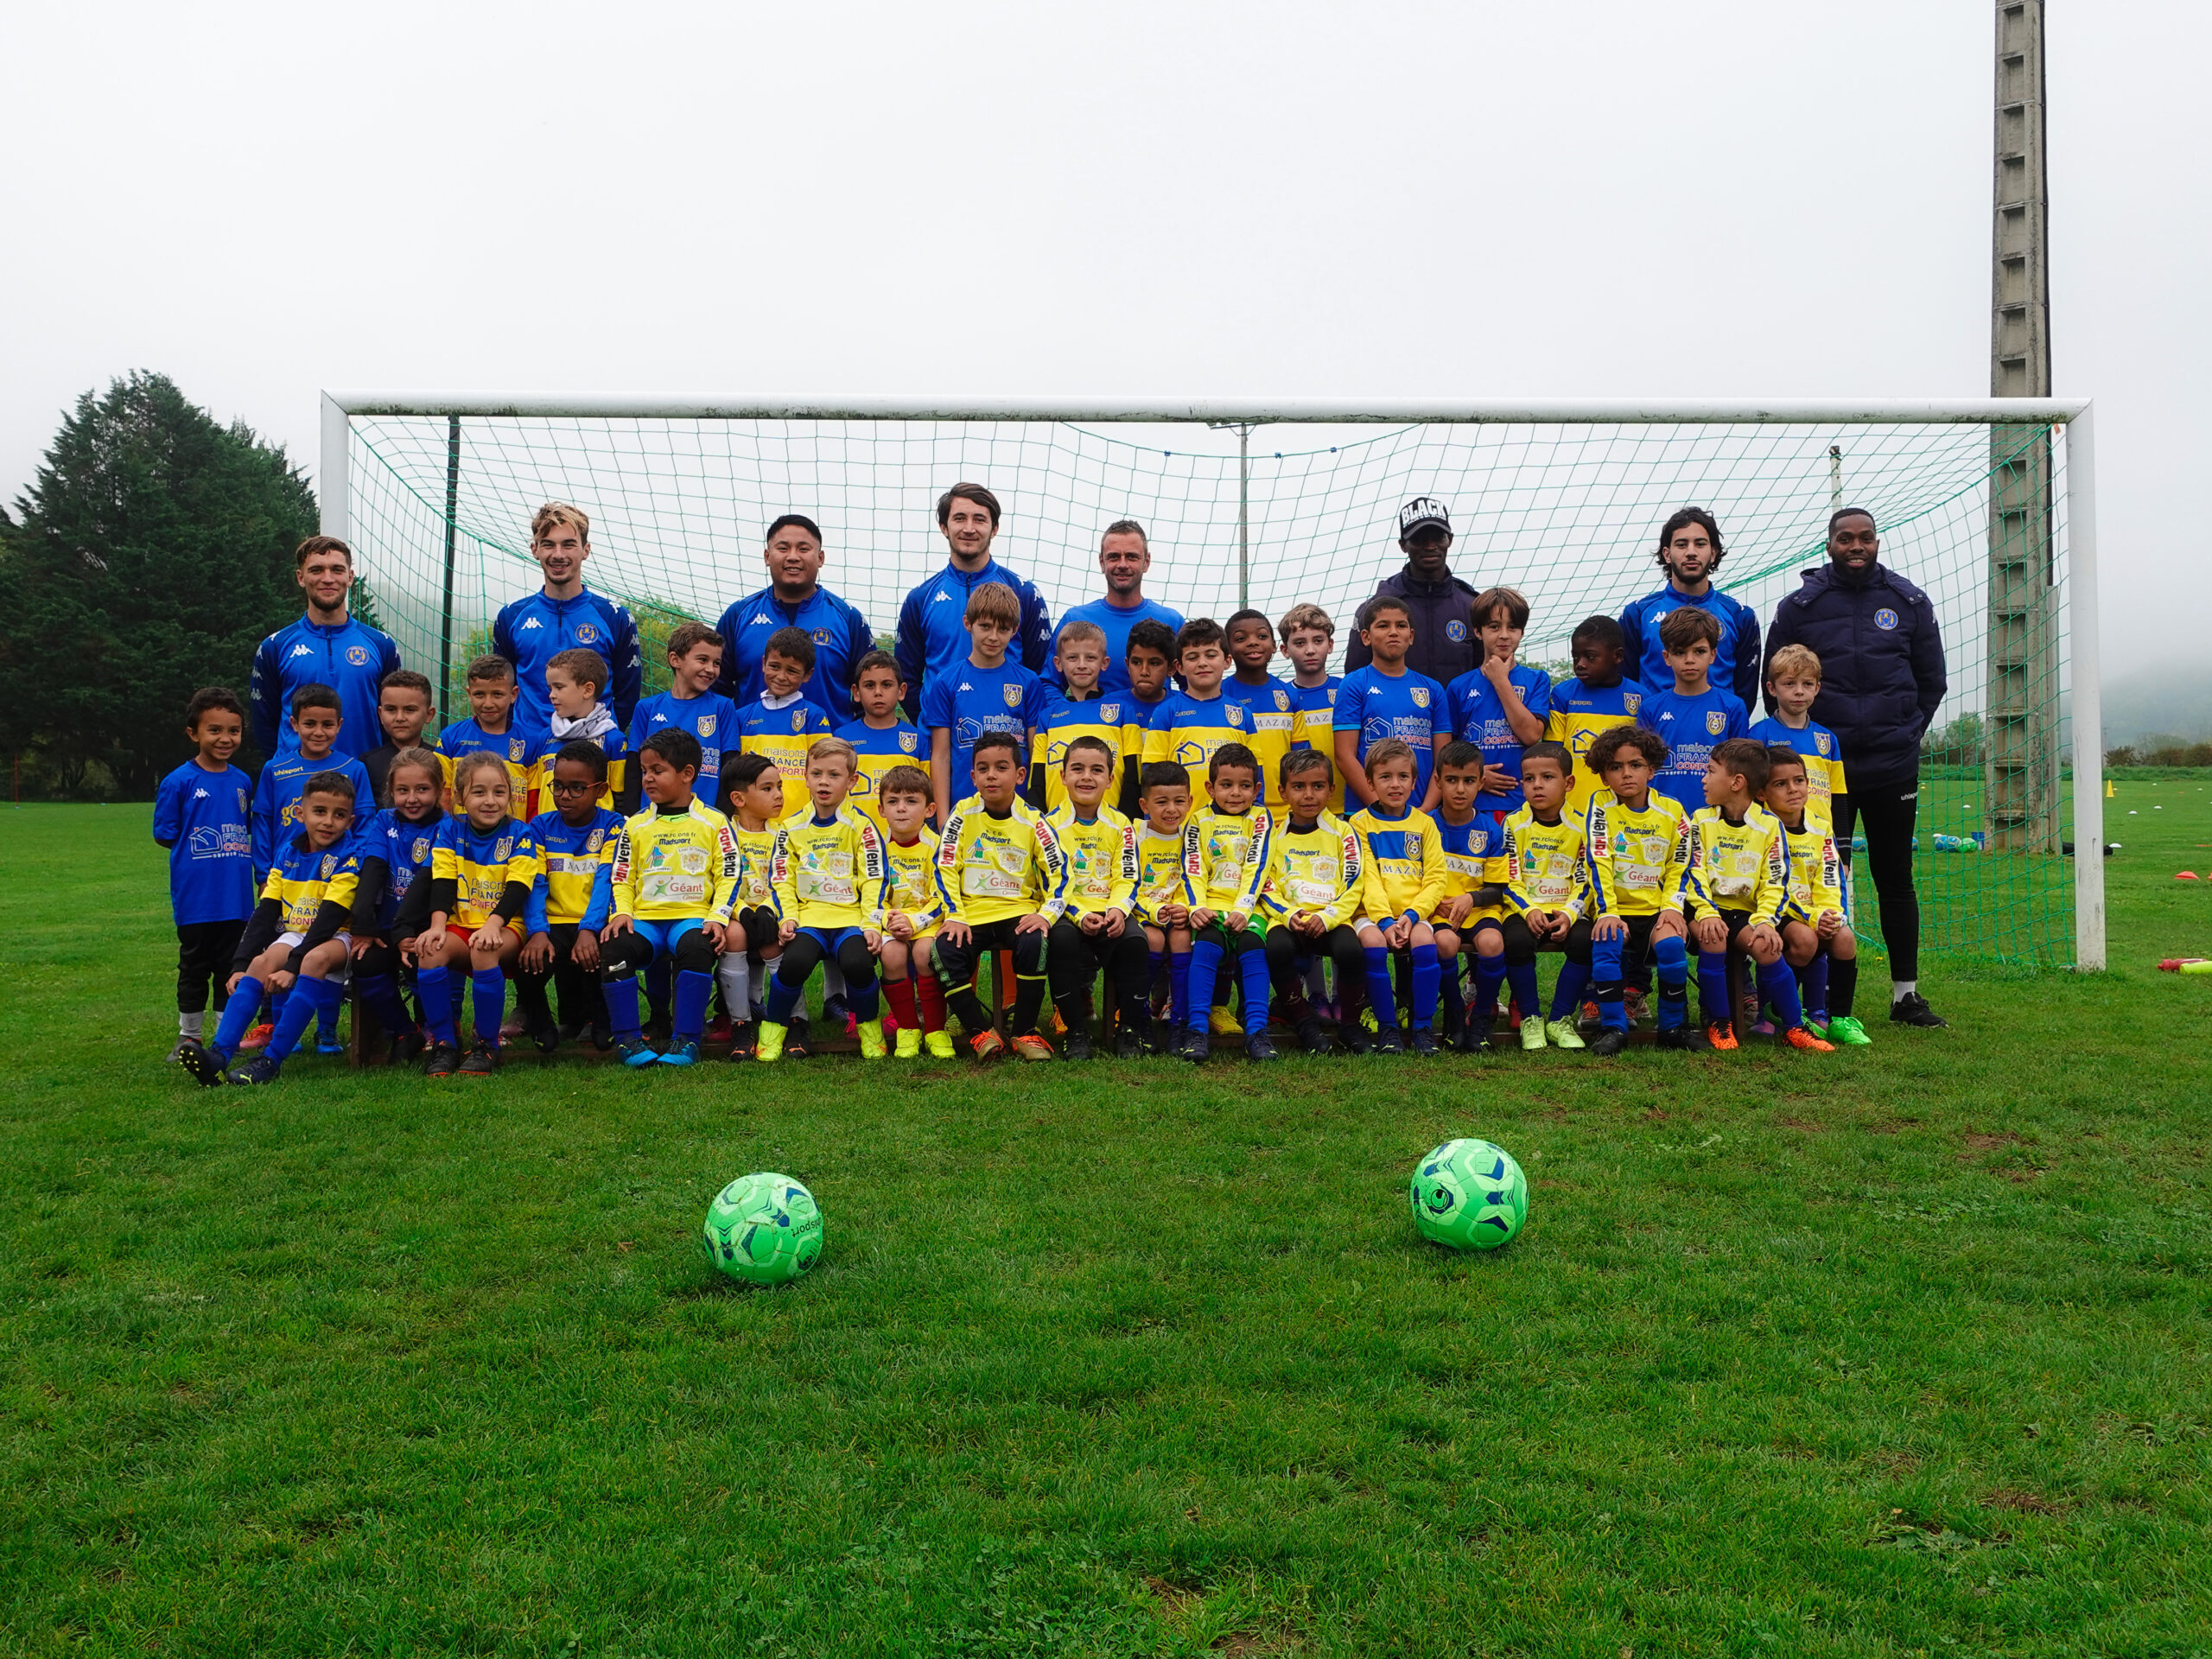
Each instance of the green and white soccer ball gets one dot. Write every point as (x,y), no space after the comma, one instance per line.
(762,1229)
(1470,1195)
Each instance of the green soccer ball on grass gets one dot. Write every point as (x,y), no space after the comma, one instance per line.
(1469,1194)
(762,1230)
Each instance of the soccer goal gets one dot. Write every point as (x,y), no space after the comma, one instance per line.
(1987,504)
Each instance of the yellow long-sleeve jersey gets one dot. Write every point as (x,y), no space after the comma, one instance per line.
(1638,861)
(911,886)
(1737,867)
(1405,864)
(995,866)
(1225,858)
(304,880)
(756,850)
(1546,867)
(829,873)
(1160,871)
(1101,871)
(1319,870)
(1474,857)
(1815,879)
(481,864)
(673,866)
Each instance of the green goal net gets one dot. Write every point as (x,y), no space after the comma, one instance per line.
(437,499)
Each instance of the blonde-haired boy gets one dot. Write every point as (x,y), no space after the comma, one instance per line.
(1793,684)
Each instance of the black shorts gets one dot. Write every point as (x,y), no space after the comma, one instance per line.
(1737,921)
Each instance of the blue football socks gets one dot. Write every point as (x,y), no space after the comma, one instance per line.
(488,992)
(238,1018)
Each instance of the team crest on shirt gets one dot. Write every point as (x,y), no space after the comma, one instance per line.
(514,750)
(1820,741)
(329,864)
(587,634)
(502,849)
(1109,714)
(1420,695)
(358,655)
(594,840)
(421,850)
(1715,722)
(821,636)
(1456,631)
(907,741)
(1886,617)
(1631,702)
(241,800)
(1234,714)
(707,724)
(1282,701)
(799,720)
(1011,693)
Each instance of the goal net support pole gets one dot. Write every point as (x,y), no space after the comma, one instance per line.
(682,517)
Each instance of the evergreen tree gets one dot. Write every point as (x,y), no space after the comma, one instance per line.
(149,557)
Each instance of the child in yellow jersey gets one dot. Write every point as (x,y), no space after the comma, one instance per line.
(1098,887)
(1638,846)
(1225,856)
(296,936)
(1474,886)
(570,900)
(1164,798)
(1738,881)
(483,864)
(883,740)
(999,867)
(1270,708)
(674,878)
(1314,883)
(1082,710)
(1404,883)
(1816,941)
(753,797)
(910,915)
(1546,888)
(829,872)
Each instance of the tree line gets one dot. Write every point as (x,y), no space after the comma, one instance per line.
(149,556)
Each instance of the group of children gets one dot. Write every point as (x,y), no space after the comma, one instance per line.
(1373,861)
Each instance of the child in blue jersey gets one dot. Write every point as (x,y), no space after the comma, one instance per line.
(1386,699)
(781,723)
(987,693)
(1693,717)
(392,899)
(495,726)
(296,937)
(691,704)
(483,864)
(404,708)
(1270,709)
(883,742)
(576,683)
(315,717)
(1793,681)
(1502,705)
(1600,696)
(200,816)
(569,902)
(1079,708)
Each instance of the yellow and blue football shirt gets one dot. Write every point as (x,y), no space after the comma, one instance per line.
(304,880)
(1474,857)
(277,794)
(881,750)
(481,863)
(574,882)
(712,719)
(1316,728)
(1815,877)
(828,873)
(515,746)
(1271,711)
(996,865)
(1691,726)
(1160,871)
(1638,861)
(1579,713)
(783,734)
(402,846)
(754,848)
(1225,856)
(675,864)
(548,750)
(1187,730)
(1404,856)
(1823,757)
(1064,719)
(1408,707)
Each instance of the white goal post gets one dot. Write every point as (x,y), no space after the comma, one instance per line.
(1553,490)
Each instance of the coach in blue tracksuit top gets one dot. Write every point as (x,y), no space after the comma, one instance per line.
(794,599)
(325,647)
(1689,552)
(933,622)
(1882,679)
(564,615)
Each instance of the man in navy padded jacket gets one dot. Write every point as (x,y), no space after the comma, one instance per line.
(1882,679)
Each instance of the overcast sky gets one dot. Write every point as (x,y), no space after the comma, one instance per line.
(1734,197)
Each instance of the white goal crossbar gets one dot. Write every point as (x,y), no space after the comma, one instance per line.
(341,408)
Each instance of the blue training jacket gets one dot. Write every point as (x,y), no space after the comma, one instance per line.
(533,629)
(351,659)
(1882,673)
(933,625)
(1735,660)
(840,635)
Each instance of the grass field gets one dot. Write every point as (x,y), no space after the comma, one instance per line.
(1895,1350)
